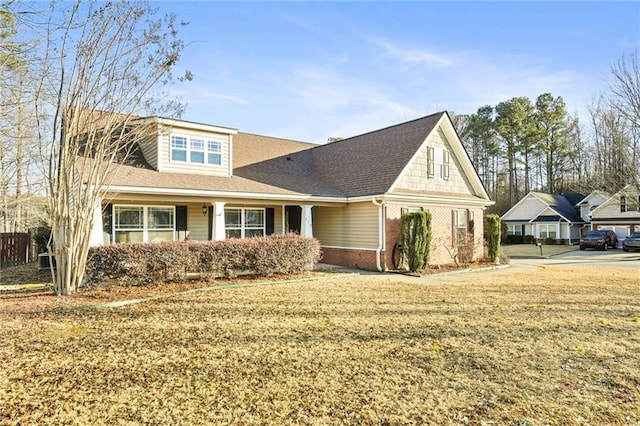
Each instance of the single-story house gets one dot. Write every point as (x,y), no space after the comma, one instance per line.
(619,213)
(548,216)
(204,182)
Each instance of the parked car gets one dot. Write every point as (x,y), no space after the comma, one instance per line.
(599,239)
(631,242)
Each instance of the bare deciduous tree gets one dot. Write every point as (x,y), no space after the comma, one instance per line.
(102,65)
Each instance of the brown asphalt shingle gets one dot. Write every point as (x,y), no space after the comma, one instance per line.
(362,165)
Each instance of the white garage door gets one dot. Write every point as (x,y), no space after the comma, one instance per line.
(621,231)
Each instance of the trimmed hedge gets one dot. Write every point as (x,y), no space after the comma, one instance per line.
(171,261)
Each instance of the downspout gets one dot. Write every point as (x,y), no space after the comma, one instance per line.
(381,227)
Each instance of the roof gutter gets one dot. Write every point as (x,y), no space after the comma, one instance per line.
(381,237)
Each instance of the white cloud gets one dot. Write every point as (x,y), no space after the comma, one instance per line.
(412,55)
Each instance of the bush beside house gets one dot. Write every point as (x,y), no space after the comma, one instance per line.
(171,261)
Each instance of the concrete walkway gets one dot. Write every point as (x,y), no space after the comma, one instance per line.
(442,277)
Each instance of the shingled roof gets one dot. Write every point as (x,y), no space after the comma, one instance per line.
(358,166)
(362,165)
(561,205)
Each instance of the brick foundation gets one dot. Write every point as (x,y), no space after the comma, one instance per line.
(359,259)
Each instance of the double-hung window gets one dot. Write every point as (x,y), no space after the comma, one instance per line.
(460,227)
(143,223)
(214,153)
(623,204)
(178,148)
(514,229)
(548,230)
(244,222)
(196,155)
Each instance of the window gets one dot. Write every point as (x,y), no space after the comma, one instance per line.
(460,227)
(143,224)
(196,150)
(178,148)
(214,153)
(244,223)
(548,230)
(639,203)
(160,224)
(623,204)
(514,229)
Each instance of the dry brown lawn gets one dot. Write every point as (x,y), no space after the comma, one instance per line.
(554,346)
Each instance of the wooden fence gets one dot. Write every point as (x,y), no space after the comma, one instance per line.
(14,249)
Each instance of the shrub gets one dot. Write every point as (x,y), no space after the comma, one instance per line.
(529,239)
(170,261)
(493,236)
(415,238)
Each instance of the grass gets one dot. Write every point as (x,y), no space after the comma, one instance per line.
(555,346)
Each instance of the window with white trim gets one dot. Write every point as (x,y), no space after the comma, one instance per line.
(179,148)
(514,229)
(196,150)
(623,204)
(196,153)
(548,230)
(244,222)
(214,153)
(143,223)
(460,227)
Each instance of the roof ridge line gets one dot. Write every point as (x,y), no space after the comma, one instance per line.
(381,129)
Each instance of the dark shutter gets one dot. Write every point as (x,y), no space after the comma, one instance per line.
(181,218)
(107,219)
(269,221)
(210,222)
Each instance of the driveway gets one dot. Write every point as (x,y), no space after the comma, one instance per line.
(590,258)
(613,258)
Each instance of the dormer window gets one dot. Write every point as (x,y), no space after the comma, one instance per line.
(196,150)
(178,148)
(214,152)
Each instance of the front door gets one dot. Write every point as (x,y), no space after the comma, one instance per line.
(292,218)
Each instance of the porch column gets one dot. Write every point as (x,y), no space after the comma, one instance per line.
(96,238)
(218,220)
(306,222)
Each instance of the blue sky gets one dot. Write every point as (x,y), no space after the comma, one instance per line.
(311,70)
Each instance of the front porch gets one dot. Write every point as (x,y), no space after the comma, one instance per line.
(122,221)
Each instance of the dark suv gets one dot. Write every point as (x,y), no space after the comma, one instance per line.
(599,239)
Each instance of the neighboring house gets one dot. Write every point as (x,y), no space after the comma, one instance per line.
(619,213)
(202,182)
(590,202)
(547,216)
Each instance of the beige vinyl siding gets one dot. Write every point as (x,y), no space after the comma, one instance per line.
(612,210)
(528,208)
(149,147)
(592,203)
(197,223)
(353,226)
(181,167)
(277,220)
(417,179)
